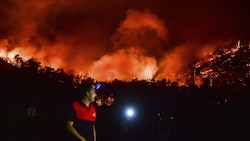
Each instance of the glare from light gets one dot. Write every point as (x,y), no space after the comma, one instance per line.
(130,112)
(97,86)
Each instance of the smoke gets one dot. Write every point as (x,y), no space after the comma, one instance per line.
(141,29)
(177,63)
(56,30)
(137,41)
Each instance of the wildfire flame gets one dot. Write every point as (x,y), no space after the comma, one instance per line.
(139,47)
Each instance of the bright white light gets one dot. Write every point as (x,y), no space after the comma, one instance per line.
(130,112)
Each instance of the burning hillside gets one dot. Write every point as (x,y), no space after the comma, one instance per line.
(225,66)
(140,50)
(120,40)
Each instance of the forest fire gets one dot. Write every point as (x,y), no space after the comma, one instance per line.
(160,64)
(141,43)
(129,64)
(125,64)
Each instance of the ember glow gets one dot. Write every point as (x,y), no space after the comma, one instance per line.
(225,66)
(121,40)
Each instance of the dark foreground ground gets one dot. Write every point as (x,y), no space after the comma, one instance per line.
(218,122)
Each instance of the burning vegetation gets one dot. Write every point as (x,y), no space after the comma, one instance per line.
(224,66)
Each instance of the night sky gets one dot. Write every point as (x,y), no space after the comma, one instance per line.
(121,39)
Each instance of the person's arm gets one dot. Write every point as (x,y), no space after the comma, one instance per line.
(94,131)
(73,131)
